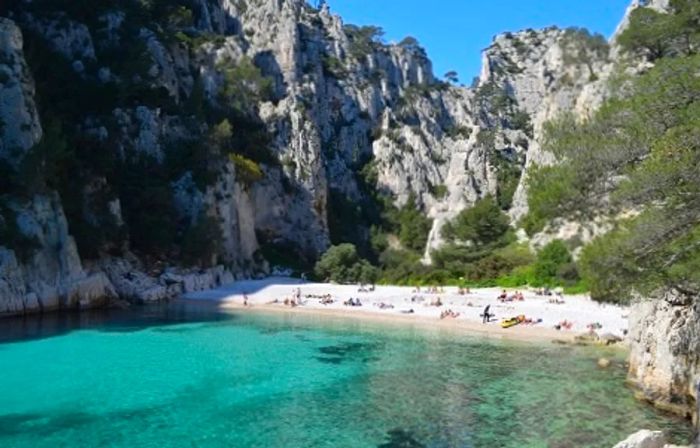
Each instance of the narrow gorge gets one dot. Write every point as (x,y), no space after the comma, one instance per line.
(151,149)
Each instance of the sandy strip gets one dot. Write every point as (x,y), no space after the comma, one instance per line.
(578,309)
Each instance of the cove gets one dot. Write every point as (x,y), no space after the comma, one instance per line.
(189,375)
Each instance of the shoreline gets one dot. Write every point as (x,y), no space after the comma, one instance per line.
(517,333)
(268,296)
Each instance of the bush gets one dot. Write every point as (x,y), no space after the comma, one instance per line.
(482,225)
(247,170)
(414,226)
(363,39)
(551,260)
(342,264)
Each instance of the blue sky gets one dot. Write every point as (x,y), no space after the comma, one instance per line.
(455,31)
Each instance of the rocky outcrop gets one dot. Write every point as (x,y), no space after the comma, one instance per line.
(665,351)
(52,277)
(19,122)
(644,439)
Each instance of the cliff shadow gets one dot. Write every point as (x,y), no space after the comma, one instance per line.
(135,318)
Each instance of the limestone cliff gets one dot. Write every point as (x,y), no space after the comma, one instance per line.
(665,356)
(266,122)
(324,116)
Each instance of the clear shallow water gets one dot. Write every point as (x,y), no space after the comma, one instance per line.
(188,376)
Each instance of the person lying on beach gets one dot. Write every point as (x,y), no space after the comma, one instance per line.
(449,313)
(437,302)
(556,301)
(408,311)
(352,302)
(384,306)
(565,324)
(326,300)
(594,326)
(531,321)
(503,296)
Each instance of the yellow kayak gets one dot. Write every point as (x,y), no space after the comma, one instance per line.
(513,321)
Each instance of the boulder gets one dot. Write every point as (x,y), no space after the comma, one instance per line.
(644,439)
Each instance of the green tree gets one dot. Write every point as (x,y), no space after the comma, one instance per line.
(342,264)
(363,40)
(655,34)
(640,152)
(482,225)
(452,77)
(549,263)
(244,85)
(414,226)
(594,153)
(582,47)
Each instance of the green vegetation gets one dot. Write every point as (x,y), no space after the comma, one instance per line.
(363,39)
(91,172)
(499,108)
(470,241)
(413,225)
(244,85)
(342,264)
(411,43)
(334,67)
(641,152)
(248,171)
(656,35)
(554,265)
(452,77)
(582,47)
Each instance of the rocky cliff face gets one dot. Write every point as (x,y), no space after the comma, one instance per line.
(340,103)
(665,356)
(325,116)
(343,117)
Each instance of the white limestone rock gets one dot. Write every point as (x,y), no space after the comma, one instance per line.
(665,350)
(644,439)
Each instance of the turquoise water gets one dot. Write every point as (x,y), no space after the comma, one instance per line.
(188,376)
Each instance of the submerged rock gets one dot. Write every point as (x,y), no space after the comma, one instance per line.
(644,439)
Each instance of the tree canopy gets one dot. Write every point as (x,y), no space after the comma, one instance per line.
(637,160)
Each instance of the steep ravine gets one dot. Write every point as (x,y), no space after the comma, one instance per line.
(341,105)
(344,113)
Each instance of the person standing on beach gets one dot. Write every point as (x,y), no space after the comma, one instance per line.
(486,317)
